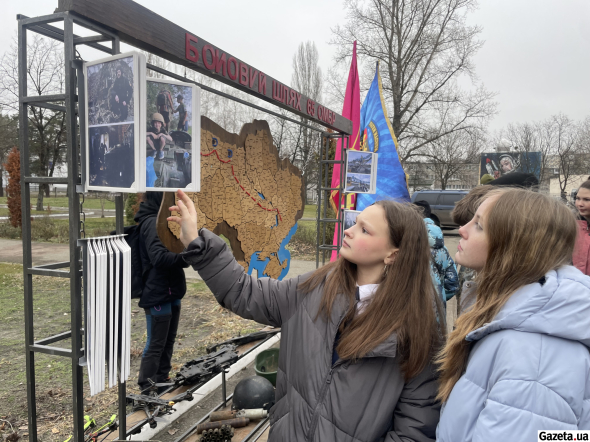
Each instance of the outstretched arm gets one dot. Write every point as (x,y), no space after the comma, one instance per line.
(264,300)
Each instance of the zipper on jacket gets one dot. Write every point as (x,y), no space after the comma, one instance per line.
(324,390)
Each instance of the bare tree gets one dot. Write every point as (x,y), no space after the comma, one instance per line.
(45,72)
(450,155)
(304,143)
(156,61)
(424,48)
(565,136)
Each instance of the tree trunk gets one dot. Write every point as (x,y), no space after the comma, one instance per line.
(1,183)
(40,199)
(46,187)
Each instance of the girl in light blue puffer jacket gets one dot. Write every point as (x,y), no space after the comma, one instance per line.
(518,360)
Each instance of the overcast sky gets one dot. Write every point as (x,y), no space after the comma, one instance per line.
(536,54)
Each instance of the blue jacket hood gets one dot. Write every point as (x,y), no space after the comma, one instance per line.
(560,307)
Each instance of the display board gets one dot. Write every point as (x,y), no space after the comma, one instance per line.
(113,122)
(361,172)
(248,194)
(170,150)
(498,164)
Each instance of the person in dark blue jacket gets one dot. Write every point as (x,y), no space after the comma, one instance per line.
(164,287)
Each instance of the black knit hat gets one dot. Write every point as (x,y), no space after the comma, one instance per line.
(425,206)
(517,179)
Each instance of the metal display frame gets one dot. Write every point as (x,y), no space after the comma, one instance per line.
(323,244)
(70,102)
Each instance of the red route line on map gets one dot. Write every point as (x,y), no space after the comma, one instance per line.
(242,187)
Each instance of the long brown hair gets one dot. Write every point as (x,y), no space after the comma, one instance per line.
(405,302)
(528,235)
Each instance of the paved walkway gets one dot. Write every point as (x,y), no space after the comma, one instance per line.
(11,250)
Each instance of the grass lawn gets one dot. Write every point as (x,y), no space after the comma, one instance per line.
(202,322)
(62,201)
(310,211)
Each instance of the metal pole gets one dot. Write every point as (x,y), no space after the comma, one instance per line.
(26,230)
(119,222)
(327,195)
(223,388)
(344,143)
(319,214)
(74,227)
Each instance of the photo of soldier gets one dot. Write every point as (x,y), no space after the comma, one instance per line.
(110,92)
(182,114)
(120,95)
(168,150)
(157,135)
(165,105)
(111,156)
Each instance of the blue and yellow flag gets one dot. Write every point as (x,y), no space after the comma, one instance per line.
(378,137)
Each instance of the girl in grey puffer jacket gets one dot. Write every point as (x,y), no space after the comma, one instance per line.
(518,361)
(357,337)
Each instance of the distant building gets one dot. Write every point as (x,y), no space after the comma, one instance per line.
(422,175)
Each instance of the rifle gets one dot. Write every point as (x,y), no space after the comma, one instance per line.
(241,340)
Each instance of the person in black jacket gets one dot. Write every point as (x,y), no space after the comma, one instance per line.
(164,287)
(120,95)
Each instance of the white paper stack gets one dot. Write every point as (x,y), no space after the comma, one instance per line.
(108,311)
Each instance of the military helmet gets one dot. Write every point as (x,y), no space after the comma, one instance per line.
(158,117)
(253,392)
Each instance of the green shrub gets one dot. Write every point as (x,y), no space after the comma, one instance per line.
(7,231)
(62,232)
(131,208)
(42,229)
(100,231)
(305,234)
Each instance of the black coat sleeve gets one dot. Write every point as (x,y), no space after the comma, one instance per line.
(159,256)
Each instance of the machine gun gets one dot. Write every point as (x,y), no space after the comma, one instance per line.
(241,340)
(207,366)
(193,372)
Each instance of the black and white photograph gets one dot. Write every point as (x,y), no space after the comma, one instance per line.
(359,162)
(358,182)
(111,156)
(350,218)
(172,137)
(114,88)
(111,92)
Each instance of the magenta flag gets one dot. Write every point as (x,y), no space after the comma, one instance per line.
(352,111)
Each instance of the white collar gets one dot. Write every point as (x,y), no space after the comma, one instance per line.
(366,291)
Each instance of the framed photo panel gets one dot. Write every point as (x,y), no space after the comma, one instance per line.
(361,172)
(113,121)
(350,218)
(171,137)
